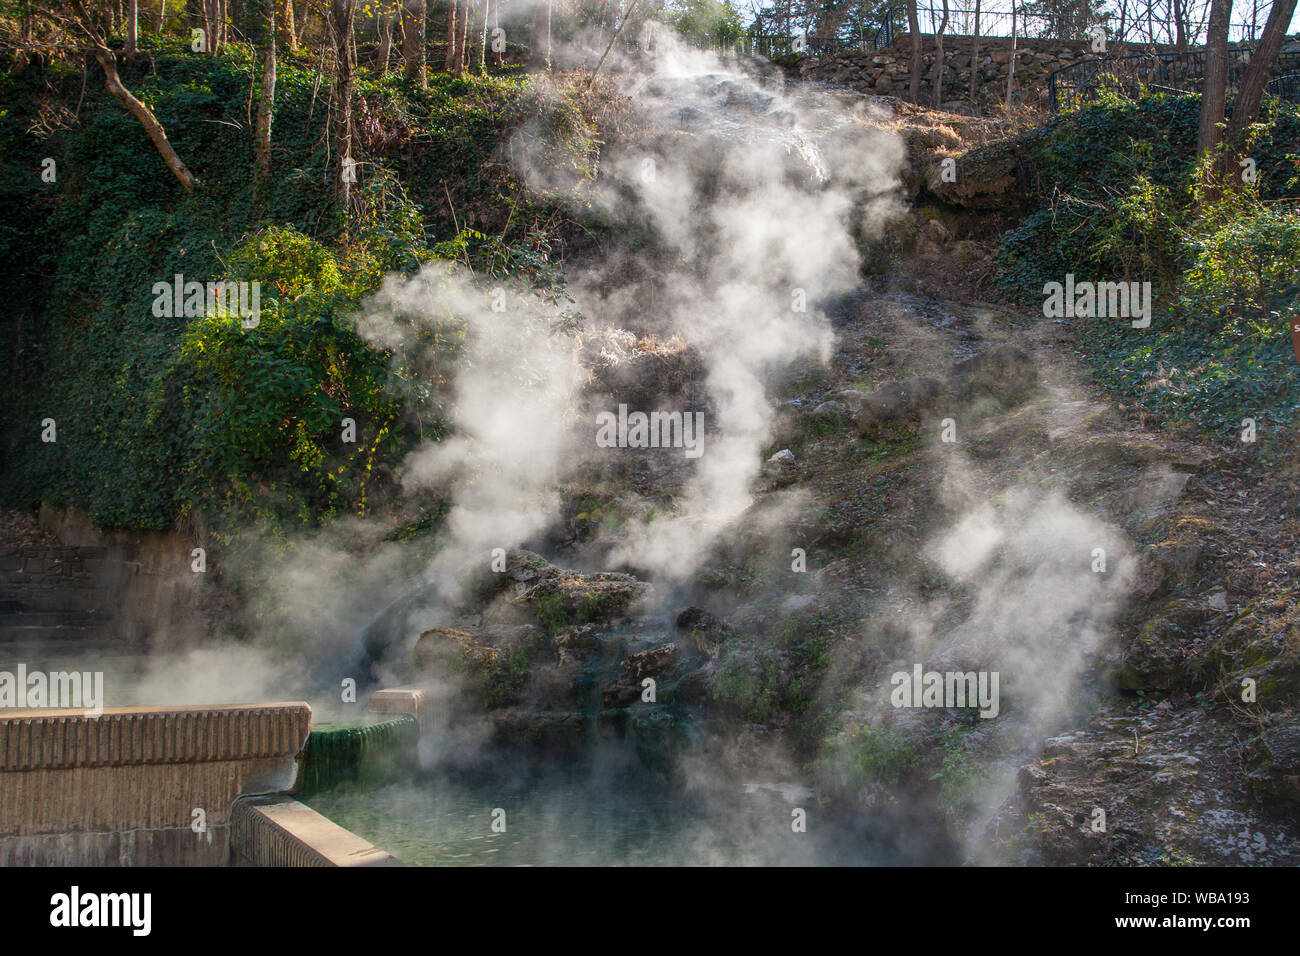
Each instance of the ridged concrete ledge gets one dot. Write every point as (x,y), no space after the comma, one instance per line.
(280,831)
(122,788)
(46,739)
(404,700)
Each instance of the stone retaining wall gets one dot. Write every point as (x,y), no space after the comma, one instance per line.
(886,72)
(119,595)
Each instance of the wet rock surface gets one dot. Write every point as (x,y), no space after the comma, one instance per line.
(1004,374)
(579,674)
(894,412)
(774,660)
(1169,788)
(1274,761)
(531,587)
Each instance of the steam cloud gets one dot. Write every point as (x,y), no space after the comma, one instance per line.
(763,194)
(758,198)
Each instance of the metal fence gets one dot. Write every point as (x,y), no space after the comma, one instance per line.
(1182,73)
(995,19)
(885,35)
(1285,87)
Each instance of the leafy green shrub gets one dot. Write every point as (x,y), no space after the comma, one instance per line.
(551,613)
(261,410)
(751,681)
(159,417)
(1120,199)
(1248,269)
(763,680)
(866,756)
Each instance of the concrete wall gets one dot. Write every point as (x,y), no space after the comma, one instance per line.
(124,590)
(121,789)
(57,597)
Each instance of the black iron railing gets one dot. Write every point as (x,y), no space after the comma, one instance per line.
(885,35)
(1285,87)
(1179,73)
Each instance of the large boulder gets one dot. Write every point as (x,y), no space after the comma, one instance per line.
(555,734)
(531,588)
(894,412)
(1167,566)
(986,180)
(1168,794)
(495,659)
(707,632)
(1274,761)
(657,662)
(1156,653)
(1004,373)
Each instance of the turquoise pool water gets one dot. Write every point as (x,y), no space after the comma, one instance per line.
(448,821)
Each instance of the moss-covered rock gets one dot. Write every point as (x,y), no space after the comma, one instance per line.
(1274,761)
(495,658)
(532,589)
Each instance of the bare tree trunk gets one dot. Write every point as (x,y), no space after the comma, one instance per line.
(219,26)
(302,22)
(975,60)
(162,15)
(341,14)
(216,28)
(209,24)
(482,41)
(142,113)
(936,83)
(539,57)
(462,42)
(132,27)
(290,34)
(464,14)
(1178,10)
(266,107)
(413,14)
(626,17)
(449,64)
(914,29)
(1011,67)
(1214,95)
(384,28)
(497,58)
(1245,108)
